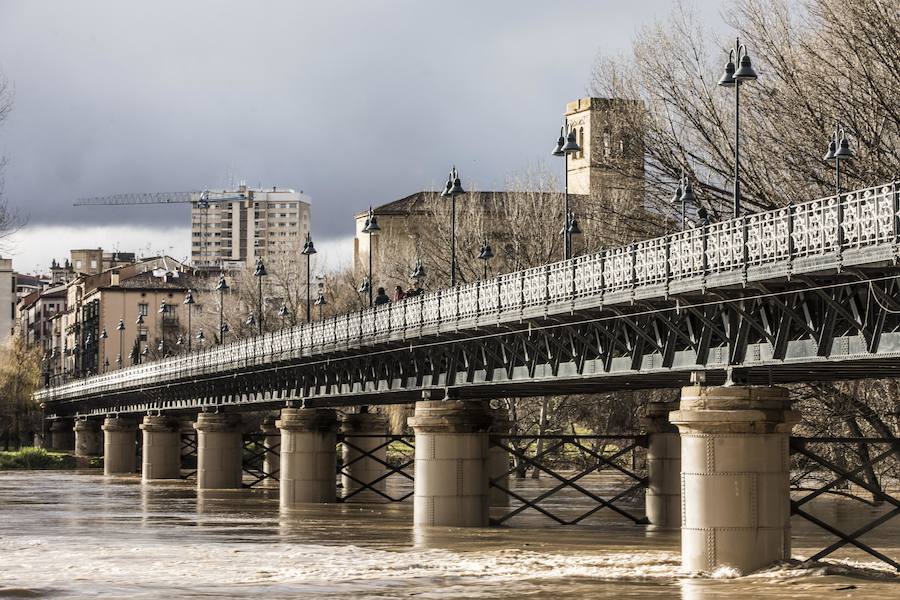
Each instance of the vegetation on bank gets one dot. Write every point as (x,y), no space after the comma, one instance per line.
(35,458)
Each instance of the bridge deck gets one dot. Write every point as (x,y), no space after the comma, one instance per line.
(784,295)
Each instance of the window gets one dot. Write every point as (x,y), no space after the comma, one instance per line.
(581,142)
(77,264)
(143,308)
(93,264)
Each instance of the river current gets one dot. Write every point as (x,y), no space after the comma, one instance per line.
(78,534)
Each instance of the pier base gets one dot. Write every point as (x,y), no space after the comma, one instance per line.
(161,456)
(87,438)
(62,436)
(219,451)
(308,456)
(735,476)
(663,499)
(363,432)
(451,485)
(119,447)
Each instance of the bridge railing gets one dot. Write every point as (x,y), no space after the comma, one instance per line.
(858,219)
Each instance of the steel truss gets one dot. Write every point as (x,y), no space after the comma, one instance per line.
(343,470)
(560,443)
(852,474)
(254,453)
(188,450)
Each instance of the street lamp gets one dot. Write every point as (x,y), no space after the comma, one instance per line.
(370,227)
(259,274)
(201,338)
(566,144)
(161,347)
(222,287)
(321,302)
(684,194)
(103,338)
(452,190)
(418,273)
(572,229)
(189,301)
(734,79)
(838,150)
(284,313)
(308,250)
(140,323)
(121,327)
(251,320)
(486,254)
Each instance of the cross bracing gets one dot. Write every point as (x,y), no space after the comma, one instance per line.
(805,292)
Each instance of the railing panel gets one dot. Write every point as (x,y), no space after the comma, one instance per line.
(589,275)
(534,286)
(650,261)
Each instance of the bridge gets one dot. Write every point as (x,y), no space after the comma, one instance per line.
(727,311)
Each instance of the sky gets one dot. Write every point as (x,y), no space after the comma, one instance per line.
(354,103)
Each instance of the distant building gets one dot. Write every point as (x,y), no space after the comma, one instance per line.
(7,300)
(94,260)
(28,284)
(605,185)
(36,311)
(265,223)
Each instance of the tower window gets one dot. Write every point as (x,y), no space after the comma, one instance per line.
(581,142)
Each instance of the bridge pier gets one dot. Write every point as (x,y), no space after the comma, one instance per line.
(161,455)
(498,460)
(451,481)
(119,448)
(735,476)
(308,456)
(359,455)
(272,444)
(87,438)
(62,435)
(219,451)
(663,499)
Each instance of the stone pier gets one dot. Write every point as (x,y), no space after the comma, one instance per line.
(119,446)
(451,482)
(735,476)
(219,451)
(272,444)
(498,459)
(161,456)
(363,432)
(308,456)
(663,499)
(87,438)
(62,436)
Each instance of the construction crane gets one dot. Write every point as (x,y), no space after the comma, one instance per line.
(199,199)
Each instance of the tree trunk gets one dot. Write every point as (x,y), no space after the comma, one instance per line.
(542,429)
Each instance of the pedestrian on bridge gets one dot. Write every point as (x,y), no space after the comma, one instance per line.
(381,297)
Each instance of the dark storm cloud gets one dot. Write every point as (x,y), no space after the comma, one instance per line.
(352,102)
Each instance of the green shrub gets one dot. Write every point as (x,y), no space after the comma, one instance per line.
(35,458)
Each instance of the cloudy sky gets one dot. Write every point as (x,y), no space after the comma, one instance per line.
(355,103)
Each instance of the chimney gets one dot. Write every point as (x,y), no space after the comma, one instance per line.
(114,278)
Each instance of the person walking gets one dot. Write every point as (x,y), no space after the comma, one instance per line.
(381,297)
(399,294)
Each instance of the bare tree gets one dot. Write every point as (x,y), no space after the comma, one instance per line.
(9,218)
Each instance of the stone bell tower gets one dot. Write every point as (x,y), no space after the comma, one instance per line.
(609,166)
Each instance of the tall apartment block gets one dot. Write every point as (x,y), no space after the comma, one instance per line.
(247,224)
(7,299)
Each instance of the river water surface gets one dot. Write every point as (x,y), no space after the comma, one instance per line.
(80,535)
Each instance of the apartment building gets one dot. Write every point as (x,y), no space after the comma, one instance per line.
(249,224)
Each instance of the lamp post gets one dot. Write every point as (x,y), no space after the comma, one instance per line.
(566,144)
(684,194)
(103,338)
(452,190)
(734,79)
(486,254)
(222,287)
(371,227)
(189,301)
(838,150)
(308,250)
(251,320)
(259,274)
(321,302)
(140,324)
(161,347)
(284,313)
(201,338)
(121,327)
(88,340)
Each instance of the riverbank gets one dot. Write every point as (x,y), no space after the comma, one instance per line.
(37,458)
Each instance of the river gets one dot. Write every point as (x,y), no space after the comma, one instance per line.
(78,534)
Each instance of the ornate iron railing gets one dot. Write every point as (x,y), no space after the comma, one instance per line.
(859,227)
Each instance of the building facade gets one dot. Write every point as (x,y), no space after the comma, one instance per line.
(7,300)
(262,223)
